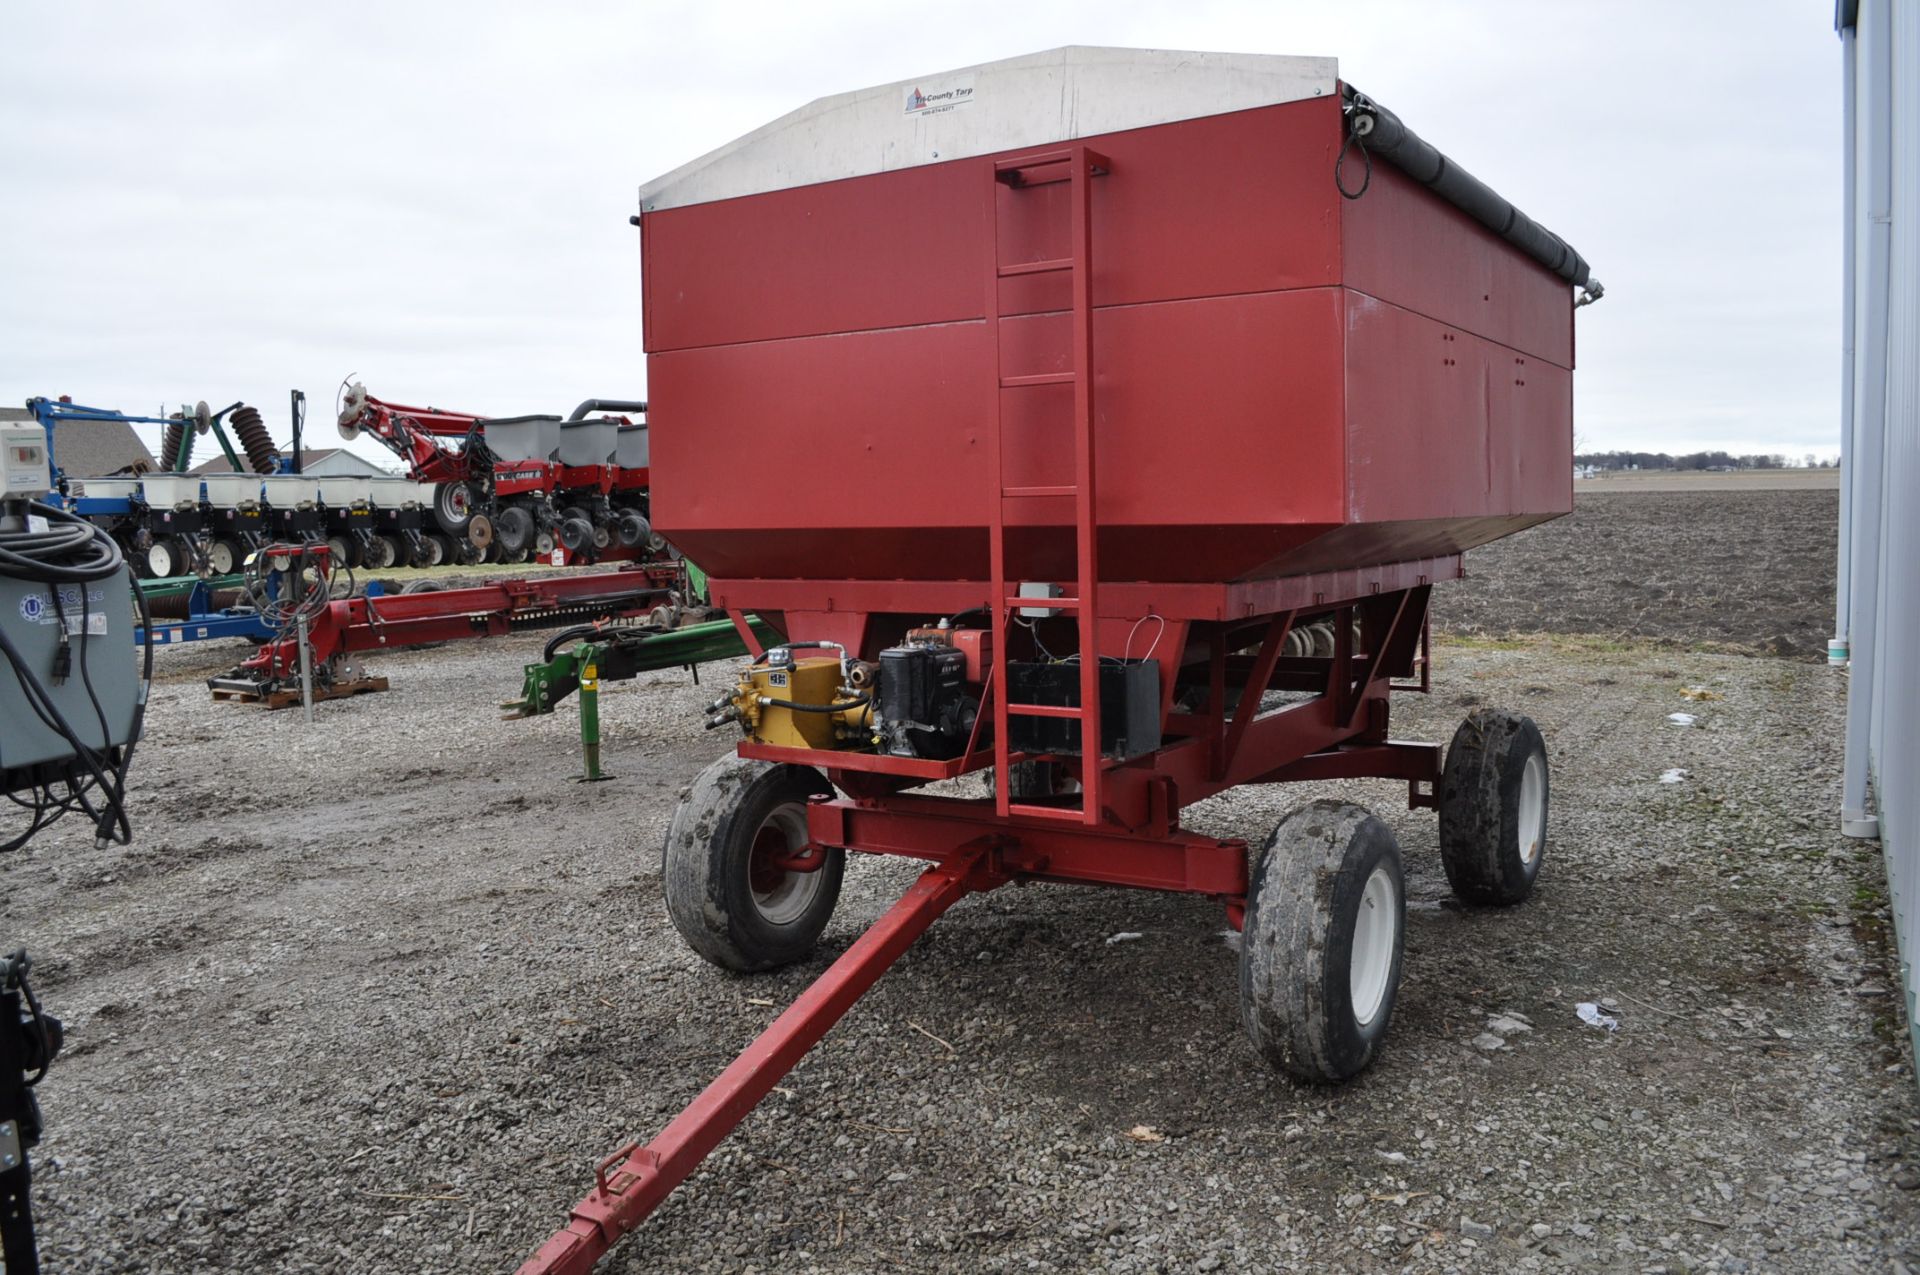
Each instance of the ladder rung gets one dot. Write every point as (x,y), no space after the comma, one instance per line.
(1029,493)
(1040,160)
(1050,266)
(1039,378)
(1045,604)
(1045,710)
(1065,814)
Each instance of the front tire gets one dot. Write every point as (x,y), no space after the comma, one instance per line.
(1493,808)
(1322,944)
(727,894)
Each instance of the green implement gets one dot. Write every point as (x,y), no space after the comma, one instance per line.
(616,655)
(180,586)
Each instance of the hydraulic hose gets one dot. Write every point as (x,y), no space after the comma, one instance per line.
(859,701)
(800,646)
(608,405)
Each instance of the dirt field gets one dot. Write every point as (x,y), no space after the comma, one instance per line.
(1699,480)
(1725,567)
(373,995)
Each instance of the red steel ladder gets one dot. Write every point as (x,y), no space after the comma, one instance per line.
(1078,166)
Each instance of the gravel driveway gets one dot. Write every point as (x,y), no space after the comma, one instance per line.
(373,995)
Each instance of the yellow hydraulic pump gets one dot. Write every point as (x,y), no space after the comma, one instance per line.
(799,703)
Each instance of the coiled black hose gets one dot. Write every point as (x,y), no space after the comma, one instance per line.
(72,550)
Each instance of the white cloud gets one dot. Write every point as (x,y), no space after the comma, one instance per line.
(227,199)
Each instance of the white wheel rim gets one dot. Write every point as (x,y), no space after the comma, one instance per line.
(787,900)
(160,560)
(1374,931)
(1533,808)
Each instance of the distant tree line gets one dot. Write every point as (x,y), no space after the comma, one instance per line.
(1695,460)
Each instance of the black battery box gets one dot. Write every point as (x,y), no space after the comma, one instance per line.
(1129,708)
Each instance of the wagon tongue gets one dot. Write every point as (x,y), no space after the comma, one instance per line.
(632,1182)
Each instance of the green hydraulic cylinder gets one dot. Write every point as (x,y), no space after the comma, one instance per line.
(589,657)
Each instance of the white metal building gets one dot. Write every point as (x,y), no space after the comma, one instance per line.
(1877,623)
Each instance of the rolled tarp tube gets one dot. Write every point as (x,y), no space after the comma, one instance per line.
(1382,134)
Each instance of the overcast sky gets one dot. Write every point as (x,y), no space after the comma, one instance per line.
(224,200)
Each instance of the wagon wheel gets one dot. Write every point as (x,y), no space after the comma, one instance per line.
(1493,808)
(1321,950)
(742,886)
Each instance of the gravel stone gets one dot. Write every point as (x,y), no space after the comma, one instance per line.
(397,954)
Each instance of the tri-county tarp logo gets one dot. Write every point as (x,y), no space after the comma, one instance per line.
(941,98)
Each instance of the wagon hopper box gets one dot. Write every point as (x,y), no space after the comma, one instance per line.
(1099,419)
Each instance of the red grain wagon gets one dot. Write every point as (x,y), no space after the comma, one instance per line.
(1103,395)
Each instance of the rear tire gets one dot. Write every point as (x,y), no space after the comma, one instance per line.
(439,548)
(1493,808)
(1321,949)
(730,903)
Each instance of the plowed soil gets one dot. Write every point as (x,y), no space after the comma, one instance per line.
(1741,570)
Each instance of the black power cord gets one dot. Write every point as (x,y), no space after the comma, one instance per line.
(30,1039)
(69,550)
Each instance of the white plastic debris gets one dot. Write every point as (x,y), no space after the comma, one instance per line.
(1590,1015)
(1680,719)
(1672,776)
(1124,936)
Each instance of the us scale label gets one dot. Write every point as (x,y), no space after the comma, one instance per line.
(38,608)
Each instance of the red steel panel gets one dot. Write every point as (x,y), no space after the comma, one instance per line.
(1231,203)
(1405,246)
(1450,428)
(880,442)
(1286,382)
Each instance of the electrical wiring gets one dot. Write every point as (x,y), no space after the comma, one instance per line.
(66,550)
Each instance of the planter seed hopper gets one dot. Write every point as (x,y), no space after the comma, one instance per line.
(1097,421)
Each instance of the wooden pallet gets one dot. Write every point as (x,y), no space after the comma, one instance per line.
(289,697)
